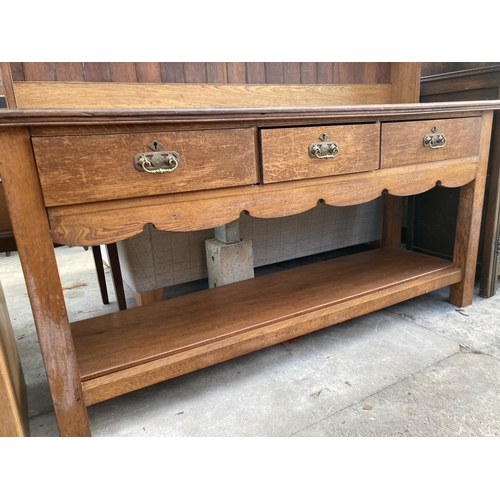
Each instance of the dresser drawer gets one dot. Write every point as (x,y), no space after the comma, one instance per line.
(286,152)
(82,169)
(403,143)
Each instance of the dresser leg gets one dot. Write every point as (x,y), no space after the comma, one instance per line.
(466,244)
(30,224)
(470,207)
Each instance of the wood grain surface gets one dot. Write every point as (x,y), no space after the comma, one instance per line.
(238,117)
(470,208)
(104,222)
(285,151)
(144,95)
(119,352)
(103,357)
(36,251)
(402,143)
(218,72)
(95,168)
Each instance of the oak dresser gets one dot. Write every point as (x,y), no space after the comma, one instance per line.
(95,176)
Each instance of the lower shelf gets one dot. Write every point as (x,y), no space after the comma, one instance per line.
(130,349)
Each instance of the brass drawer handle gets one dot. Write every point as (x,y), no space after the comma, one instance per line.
(435,140)
(160,162)
(323,150)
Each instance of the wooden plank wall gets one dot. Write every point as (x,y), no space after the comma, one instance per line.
(435,68)
(205,72)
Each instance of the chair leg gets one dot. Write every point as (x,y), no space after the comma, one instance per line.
(114,264)
(99,267)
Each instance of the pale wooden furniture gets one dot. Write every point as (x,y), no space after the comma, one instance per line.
(73,171)
(13,398)
(155,259)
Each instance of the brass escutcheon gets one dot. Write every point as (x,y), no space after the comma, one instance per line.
(161,162)
(155,145)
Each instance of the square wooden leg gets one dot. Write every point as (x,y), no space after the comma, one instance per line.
(470,207)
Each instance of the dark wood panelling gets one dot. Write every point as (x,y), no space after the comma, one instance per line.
(436,68)
(325,72)
(123,72)
(172,72)
(308,72)
(148,72)
(96,72)
(206,72)
(346,73)
(292,72)
(195,72)
(69,72)
(256,72)
(236,72)
(17,70)
(275,72)
(216,72)
(40,71)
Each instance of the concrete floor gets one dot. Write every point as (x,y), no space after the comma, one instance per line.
(420,368)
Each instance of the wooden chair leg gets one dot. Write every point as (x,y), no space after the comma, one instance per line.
(99,267)
(114,264)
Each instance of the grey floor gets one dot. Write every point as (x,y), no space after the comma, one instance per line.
(420,368)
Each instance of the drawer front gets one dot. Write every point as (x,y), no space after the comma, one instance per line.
(403,143)
(286,152)
(80,169)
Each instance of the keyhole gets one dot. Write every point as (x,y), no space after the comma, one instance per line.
(155,145)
